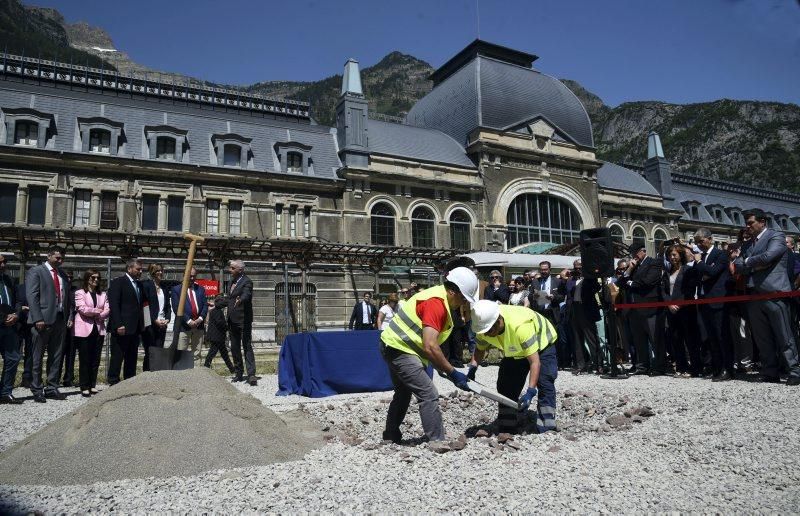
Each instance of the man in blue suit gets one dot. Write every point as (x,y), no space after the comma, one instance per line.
(194,315)
(711,265)
(764,261)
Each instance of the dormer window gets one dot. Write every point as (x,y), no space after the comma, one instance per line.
(100,141)
(294,162)
(694,212)
(27,127)
(26,133)
(166,142)
(232,150)
(233,155)
(295,157)
(165,148)
(100,135)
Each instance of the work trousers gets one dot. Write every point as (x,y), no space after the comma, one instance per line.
(9,350)
(242,337)
(124,353)
(585,339)
(511,379)
(772,331)
(410,377)
(68,359)
(89,349)
(716,324)
(223,351)
(50,338)
(648,340)
(152,336)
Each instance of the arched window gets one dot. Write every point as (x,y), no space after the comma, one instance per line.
(460,230)
(541,218)
(660,236)
(382,224)
(233,155)
(100,141)
(422,224)
(618,239)
(294,162)
(639,239)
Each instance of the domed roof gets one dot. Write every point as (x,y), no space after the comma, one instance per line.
(490,86)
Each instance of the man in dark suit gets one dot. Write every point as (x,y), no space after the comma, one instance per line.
(70,349)
(240,322)
(47,289)
(642,281)
(764,261)
(9,343)
(364,314)
(584,312)
(125,321)
(496,290)
(194,316)
(711,265)
(553,289)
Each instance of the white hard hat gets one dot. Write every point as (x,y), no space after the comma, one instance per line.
(466,281)
(484,315)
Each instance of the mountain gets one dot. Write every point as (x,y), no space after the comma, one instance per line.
(391,86)
(751,142)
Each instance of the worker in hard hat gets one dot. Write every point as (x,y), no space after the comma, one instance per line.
(527,340)
(413,340)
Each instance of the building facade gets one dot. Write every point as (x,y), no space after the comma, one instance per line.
(498,156)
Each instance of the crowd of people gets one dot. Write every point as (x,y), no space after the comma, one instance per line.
(48,313)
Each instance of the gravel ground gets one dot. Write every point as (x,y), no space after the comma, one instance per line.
(703,447)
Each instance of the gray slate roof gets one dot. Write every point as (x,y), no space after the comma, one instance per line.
(415,143)
(616,177)
(135,114)
(490,93)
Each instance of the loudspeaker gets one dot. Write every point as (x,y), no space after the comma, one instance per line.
(597,253)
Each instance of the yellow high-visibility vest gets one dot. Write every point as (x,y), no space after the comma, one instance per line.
(526,332)
(405,330)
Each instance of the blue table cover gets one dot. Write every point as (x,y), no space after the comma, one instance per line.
(326,363)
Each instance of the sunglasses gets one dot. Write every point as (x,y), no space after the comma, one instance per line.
(495,277)
(96,278)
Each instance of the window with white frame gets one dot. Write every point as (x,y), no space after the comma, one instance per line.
(293,221)
(278,219)
(212,216)
(235,217)
(83,207)
(165,148)
(100,141)
(26,133)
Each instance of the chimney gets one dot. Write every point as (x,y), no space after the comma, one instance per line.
(657,170)
(352,112)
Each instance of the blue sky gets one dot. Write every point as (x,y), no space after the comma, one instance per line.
(677,51)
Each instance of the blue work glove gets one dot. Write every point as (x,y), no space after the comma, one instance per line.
(471,372)
(525,400)
(459,379)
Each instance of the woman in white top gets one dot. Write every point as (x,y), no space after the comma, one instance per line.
(519,294)
(387,311)
(157,298)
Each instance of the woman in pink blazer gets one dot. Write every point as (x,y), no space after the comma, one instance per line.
(91,312)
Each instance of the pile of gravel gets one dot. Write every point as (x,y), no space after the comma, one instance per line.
(167,423)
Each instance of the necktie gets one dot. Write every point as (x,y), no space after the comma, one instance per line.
(4,293)
(57,285)
(543,283)
(233,285)
(193,303)
(136,289)
(703,256)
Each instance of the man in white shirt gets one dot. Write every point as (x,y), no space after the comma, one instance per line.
(364,314)
(194,315)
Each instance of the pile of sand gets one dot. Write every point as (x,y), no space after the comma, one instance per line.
(167,423)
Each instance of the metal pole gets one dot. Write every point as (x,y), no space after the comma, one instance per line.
(303,304)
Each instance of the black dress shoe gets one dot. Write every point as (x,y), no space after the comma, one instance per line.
(769,379)
(723,377)
(39,398)
(9,400)
(641,372)
(236,379)
(793,380)
(252,381)
(55,396)
(66,384)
